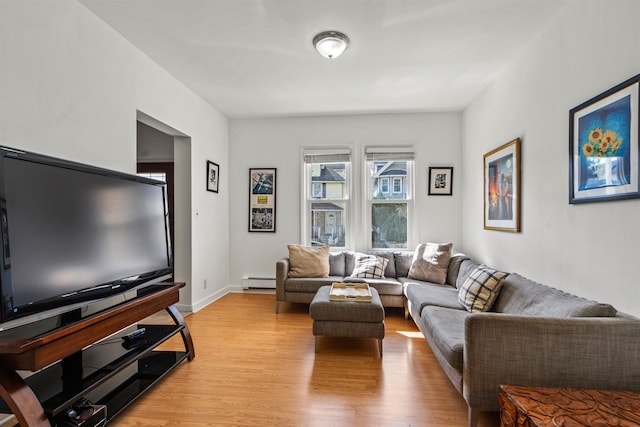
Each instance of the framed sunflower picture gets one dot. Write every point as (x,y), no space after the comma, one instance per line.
(603,146)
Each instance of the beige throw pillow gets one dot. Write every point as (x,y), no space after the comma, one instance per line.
(430,262)
(480,290)
(308,261)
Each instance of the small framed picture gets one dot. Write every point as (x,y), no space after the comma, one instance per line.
(440,181)
(213,176)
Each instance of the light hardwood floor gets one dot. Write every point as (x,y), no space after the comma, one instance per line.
(257,368)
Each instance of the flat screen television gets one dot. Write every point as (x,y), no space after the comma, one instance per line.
(72,233)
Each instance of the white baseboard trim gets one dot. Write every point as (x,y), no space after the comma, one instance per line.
(231,289)
(202,303)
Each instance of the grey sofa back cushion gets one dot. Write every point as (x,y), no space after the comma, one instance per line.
(336,263)
(390,271)
(464,270)
(403,263)
(522,296)
(454,267)
(350,262)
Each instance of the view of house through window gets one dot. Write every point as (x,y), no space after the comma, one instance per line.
(386,191)
(389,197)
(327,194)
(328,206)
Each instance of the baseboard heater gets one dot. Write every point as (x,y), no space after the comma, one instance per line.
(258,282)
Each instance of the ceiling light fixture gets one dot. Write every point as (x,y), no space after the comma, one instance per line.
(331,44)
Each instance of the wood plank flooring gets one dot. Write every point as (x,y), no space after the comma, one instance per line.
(257,368)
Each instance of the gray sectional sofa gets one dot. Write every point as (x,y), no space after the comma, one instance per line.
(533,335)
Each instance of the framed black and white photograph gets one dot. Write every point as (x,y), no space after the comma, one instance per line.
(262,199)
(213,176)
(440,181)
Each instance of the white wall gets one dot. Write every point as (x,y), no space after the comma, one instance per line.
(72,87)
(588,249)
(277,143)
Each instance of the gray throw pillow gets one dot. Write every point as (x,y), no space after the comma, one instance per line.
(430,262)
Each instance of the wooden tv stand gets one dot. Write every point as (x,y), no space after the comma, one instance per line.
(59,355)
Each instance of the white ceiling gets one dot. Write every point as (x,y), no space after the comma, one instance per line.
(254,58)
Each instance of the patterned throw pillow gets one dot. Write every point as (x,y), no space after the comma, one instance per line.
(481,289)
(369,267)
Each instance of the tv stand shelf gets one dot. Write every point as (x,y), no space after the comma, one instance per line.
(59,355)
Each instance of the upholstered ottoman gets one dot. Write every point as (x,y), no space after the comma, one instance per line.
(346,318)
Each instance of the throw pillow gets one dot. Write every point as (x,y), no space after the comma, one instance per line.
(369,266)
(308,261)
(430,262)
(481,289)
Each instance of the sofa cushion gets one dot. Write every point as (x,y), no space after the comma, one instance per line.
(390,270)
(369,266)
(444,330)
(422,294)
(403,262)
(336,264)
(467,266)
(520,295)
(309,284)
(308,261)
(386,286)
(430,262)
(481,288)
(454,267)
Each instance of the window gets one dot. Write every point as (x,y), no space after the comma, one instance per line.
(316,190)
(388,213)
(397,185)
(384,185)
(326,195)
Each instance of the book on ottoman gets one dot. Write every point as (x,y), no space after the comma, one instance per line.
(358,292)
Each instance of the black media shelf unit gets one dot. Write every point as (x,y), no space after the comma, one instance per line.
(89,358)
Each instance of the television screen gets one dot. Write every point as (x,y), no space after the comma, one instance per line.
(72,232)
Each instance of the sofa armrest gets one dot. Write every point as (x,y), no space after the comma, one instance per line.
(594,353)
(282,272)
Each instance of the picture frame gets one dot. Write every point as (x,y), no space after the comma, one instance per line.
(262,200)
(502,188)
(604,145)
(213,176)
(440,181)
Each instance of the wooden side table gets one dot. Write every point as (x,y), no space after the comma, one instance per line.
(564,407)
